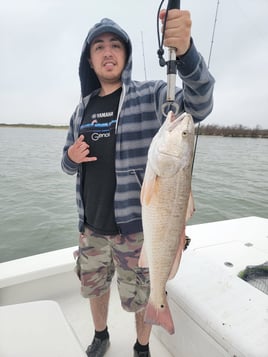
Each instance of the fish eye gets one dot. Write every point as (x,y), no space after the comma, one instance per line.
(185,133)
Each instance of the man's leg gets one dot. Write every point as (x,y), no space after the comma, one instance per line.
(99,310)
(95,269)
(141,347)
(143,329)
(133,286)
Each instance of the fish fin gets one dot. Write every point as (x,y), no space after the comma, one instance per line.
(177,259)
(143,260)
(149,186)
(159,316)
(190,207)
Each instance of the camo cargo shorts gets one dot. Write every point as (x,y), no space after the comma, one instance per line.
(100,256)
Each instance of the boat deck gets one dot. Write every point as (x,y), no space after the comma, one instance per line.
(209,303)
(40,278)
(77,313)
(121,326)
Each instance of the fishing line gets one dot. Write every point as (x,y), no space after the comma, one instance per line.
(172,4)
(161,51)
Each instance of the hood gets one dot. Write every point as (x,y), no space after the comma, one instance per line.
(88,79)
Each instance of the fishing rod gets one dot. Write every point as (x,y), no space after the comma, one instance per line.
(143,55)
(171,63)
(213,33)
(209,59)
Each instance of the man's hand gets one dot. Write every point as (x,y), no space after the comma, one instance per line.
(178,30)
(79,151)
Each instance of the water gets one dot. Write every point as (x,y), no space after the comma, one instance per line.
(37,200)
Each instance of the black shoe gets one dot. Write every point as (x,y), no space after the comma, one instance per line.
(142,354)
(98,347)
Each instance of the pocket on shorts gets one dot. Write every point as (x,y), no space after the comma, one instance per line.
(142,276)
(134,289)
(142,286)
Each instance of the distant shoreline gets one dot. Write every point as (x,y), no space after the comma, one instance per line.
(34,126)
(235,131)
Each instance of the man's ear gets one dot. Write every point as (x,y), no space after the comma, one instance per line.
(90,63)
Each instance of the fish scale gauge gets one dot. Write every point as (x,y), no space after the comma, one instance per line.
(166,205)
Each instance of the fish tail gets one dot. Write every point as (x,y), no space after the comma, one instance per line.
(159,316)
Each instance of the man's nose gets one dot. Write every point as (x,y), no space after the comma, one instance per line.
(107,51)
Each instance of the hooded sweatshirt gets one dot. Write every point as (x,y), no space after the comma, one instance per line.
(139,118)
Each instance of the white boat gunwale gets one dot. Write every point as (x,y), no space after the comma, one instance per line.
(199,309)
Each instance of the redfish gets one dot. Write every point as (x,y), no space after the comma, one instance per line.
(166,205)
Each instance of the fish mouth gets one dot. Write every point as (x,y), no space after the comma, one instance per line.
(174,122)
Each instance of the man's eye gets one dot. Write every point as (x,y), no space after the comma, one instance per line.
(97,48)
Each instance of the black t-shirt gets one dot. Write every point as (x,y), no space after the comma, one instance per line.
(98,178)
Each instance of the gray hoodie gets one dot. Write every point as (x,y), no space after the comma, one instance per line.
(139,118)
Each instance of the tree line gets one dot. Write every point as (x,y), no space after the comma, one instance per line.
(232,131)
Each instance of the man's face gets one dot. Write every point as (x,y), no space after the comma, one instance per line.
(107,57)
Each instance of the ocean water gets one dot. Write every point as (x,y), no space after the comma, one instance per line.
(37,200)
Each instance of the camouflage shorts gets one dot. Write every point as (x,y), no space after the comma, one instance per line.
(100,256)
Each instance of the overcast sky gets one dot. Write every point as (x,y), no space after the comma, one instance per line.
(41,41)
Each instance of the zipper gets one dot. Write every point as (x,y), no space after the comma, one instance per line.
(122,97)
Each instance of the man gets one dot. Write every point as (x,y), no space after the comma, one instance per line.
(107,144)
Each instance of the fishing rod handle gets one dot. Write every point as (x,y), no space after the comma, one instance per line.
(171,63)
(174,4)
(171,74)
(170,103)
